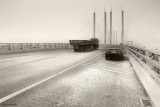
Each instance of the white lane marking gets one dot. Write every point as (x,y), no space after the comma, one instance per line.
(114,63)
(106,64)
(11,57)
(37,83)
(106,61)
(27,62)
(103,68)
(111,63)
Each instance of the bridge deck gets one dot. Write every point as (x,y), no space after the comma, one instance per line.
(96,82)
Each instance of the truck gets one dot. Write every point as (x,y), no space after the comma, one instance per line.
(114,51)
(84,45)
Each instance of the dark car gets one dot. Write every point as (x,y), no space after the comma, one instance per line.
(114,51)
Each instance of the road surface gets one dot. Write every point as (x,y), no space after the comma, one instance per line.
(77,80)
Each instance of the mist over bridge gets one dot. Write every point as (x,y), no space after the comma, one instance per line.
(55,75)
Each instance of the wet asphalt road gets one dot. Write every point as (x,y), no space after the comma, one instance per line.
(95,83)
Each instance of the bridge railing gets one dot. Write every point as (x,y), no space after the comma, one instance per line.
(147,57)
(27,47)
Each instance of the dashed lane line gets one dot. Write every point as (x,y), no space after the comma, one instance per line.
(106,69)
(109,63)
(117,63)
(27,62)
(115,68)
(42,81)
(11,57)
(113,63)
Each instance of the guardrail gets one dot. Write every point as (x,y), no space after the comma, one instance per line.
(144,65)
(27,47)
(147,57)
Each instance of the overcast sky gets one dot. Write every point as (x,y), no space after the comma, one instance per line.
(61,20)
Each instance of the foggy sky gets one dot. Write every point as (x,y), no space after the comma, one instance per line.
(61,20)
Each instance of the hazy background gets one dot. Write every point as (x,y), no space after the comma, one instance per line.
(61,20)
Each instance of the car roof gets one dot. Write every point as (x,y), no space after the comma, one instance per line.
(113,47)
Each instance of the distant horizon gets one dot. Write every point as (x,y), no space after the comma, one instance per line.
(55,21)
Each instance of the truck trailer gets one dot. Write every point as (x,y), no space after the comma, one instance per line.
(84,45)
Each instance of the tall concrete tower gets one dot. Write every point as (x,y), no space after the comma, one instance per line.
(113,37)
(111,27)
(105,26)
(94,24)
(122,32)
(116,37)
(108,36)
